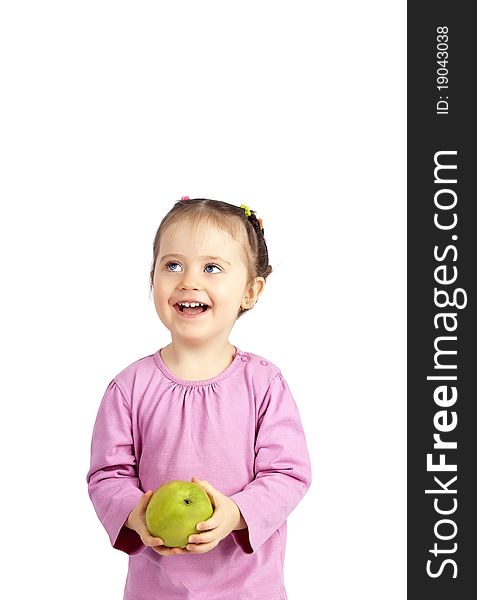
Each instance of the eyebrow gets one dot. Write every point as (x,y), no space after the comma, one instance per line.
(201,257)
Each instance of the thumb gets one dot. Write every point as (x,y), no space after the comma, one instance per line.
(208,487)
(146,497)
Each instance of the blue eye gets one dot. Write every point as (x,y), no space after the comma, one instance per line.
(173,262)
(213,266)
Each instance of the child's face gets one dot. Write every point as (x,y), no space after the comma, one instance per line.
(184,270)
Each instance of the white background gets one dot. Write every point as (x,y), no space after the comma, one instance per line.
(110,112)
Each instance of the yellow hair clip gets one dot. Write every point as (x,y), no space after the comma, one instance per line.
(247,210)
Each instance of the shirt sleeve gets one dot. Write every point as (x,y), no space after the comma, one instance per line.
(282,468)
(113,484)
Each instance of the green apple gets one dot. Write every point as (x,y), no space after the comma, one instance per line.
(174,510)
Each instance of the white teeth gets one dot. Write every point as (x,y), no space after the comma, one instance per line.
(191,304)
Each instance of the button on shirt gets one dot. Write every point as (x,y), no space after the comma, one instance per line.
(241,431)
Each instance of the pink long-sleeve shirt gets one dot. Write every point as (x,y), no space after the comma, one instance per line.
(241,431)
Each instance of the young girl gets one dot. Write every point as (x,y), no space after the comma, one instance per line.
(202,410)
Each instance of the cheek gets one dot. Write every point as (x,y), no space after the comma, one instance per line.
(228,296)
(162,284)
(160,295)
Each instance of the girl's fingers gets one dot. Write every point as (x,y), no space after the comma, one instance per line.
(165,551)
(203,538)
(149,539)
(153,541)
(146,536)
(211,523)
(201,548)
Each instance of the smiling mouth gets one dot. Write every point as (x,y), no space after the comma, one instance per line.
(189,310)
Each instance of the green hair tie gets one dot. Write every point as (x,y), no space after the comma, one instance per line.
(246,209)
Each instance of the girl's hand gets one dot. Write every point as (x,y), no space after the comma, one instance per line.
(137,521)
(225,519)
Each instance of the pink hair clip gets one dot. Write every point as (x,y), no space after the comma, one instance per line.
(185,198)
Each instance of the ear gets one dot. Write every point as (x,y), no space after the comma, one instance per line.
(253,292)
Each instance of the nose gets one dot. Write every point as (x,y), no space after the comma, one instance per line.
(189,287)
(189,280)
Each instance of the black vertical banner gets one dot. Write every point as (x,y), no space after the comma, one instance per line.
(442,251)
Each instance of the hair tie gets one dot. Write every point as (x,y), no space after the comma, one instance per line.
(246,209)
(185,198)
